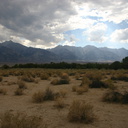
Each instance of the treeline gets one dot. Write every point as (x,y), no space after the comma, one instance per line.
(63,65)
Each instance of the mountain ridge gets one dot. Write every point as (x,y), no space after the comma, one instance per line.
(11,52)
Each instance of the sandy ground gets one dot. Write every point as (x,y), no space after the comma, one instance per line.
(109,115)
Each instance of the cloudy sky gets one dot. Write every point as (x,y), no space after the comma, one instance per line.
(48,23)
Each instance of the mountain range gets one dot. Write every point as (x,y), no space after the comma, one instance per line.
(11,52)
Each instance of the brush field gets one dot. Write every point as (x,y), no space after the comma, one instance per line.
(50,98)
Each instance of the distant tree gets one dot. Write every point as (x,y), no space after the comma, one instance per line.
(5,66)
(115,65)
(125,63)
(125,60)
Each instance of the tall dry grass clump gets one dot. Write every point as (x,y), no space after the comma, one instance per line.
(59,103)
(28,78)
(85,81)
(21,84)
(19,120)
(44,76)
(64,79)
(81,90)
(46,95)
(81,112)
(3,91)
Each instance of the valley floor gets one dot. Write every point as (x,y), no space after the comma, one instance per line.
(108,115)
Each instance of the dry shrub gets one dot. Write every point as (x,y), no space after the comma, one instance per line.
(36,81)
(49,94)
(63,93)
(94,75)
(81,90)
(74,88)
(86,81)
(55,82)
(19,92)
(59,103)
(115,97)
(39,97)
(21,84)
(109,84)
(120,76)
(27,78)
(125,98)
(77,77)
(60,81)
(98,84)
(44,76)
(5,74)
(11,83)
(64,81)
(19,120)
(1,78)
(112,96)
(3,91)
(81,112)
(64,76)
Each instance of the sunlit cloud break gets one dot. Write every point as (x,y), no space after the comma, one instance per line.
(45,24)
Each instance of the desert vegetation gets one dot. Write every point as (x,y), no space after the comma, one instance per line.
(63,98)
(19,120)
(81,112)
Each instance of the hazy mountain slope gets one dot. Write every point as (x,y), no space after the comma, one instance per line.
(15,52)
(7,55)
(11,52)
(64,53)
(90,53)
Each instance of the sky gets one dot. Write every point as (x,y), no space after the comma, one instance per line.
(48,23)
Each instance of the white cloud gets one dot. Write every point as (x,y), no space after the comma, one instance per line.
(41,23)
(70,40)
(97,33)
(120,35)
(115,10)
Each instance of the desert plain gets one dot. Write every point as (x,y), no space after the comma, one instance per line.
(54,113)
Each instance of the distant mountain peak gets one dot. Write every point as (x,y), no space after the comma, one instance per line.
(17,53)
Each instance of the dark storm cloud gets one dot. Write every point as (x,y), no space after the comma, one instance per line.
(45,21)
(32,18)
